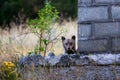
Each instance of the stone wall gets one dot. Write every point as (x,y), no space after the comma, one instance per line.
(98,25)
(104,66)
(88,73)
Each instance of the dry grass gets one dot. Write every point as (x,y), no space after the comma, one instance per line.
(19,42)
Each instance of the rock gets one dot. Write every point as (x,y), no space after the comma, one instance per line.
(74,56)
(22,61)
(84,61)
(117,59)
(65,60)
(77,66)
(32,60)
(61,60)
(53,60)
(69,60)
(105,58)
(51,54)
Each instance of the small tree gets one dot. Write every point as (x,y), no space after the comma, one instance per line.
(42,26)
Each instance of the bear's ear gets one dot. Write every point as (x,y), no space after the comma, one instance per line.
(63,38)
(73,37)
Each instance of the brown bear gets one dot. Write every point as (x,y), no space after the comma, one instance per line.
(69,44)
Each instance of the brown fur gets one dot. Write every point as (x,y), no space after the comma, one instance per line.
(69,44)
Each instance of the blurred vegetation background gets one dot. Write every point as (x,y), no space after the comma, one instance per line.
(19,11)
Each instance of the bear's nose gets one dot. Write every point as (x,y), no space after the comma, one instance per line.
(68,48)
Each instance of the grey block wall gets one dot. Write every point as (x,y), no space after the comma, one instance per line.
(98,25)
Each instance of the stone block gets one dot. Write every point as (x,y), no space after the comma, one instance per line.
(115,12)
(84,30)
(92,13)
(92,45)
(116,44)
(106,29)
(108,1)
(84,1)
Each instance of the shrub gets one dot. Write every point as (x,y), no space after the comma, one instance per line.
(8,71)
(43,25)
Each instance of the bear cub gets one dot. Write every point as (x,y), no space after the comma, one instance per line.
(69,44)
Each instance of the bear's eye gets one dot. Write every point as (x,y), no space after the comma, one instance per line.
(66,43)
(70,43)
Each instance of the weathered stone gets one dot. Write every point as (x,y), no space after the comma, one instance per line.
(74,56)
(92,13)
(106,29)
(98,19)
(108,1)
(53,60)
(105,58)
(92,45)
(51,54)
(84,30)
(65,61)
(85,1)
(32,60)
(70,60)
(115,12)
(88,73)
(84,61)
(100,73)
(22,61)
(61,60)
(116,44)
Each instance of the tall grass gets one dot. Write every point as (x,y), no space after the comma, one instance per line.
(18,41)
